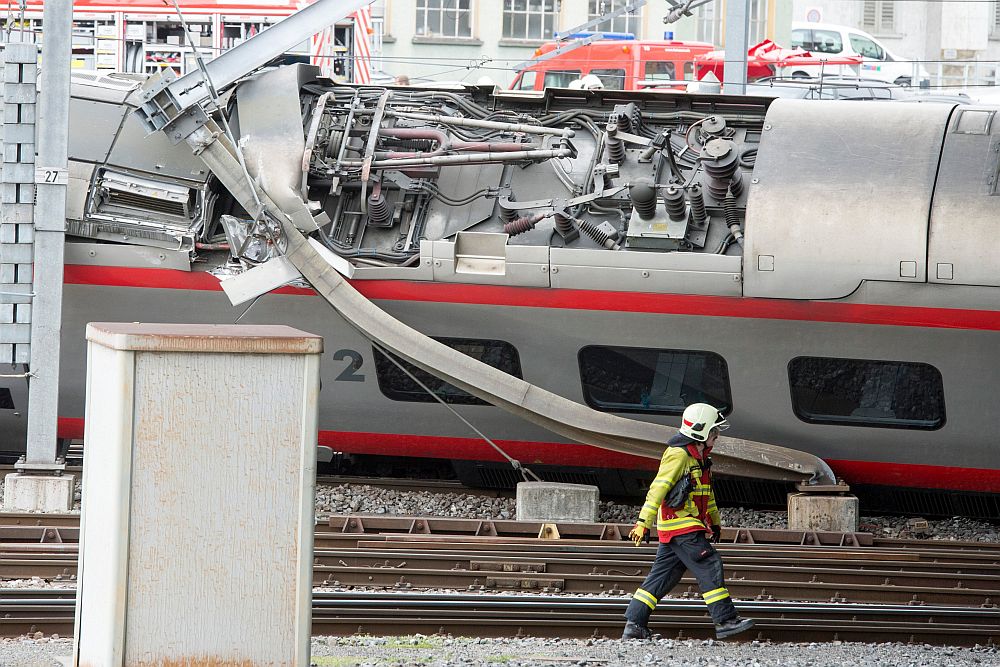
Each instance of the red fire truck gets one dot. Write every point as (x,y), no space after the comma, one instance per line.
(619,64)
(637,64)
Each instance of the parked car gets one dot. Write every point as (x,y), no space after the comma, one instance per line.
(828,88)
(879,63)
(949,98)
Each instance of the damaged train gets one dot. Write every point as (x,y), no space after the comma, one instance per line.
(824,271)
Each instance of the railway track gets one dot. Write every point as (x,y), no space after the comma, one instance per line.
(932,592)
(396,613)
(754,573)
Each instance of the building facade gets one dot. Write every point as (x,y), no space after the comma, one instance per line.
(146,36)
(958,42)
(470,40)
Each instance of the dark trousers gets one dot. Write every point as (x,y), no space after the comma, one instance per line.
(691,551)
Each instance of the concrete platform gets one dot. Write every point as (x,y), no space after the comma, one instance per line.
(823,512)
(37,493)
(552,501)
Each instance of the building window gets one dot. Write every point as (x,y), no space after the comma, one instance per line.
(858,392)
(710,16)
(663,382)
(758,22)
(530,19)
(630,22)
(398,386)
(879,16)
(444,18)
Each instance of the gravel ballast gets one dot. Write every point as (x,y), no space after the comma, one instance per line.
(365,499)
(436,651)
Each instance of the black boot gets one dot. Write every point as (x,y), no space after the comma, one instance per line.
(636,631)
(733,626)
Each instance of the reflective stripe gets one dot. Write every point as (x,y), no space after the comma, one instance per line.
(645,597)
(715,596)
(683,522)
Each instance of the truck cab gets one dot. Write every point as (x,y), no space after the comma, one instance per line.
(879,62)
(620,64)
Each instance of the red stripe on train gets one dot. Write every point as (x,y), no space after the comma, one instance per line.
(473,449)
(535,297)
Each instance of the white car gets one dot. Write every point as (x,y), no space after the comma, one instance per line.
(879,63)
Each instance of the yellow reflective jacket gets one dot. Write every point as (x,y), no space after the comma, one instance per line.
(699,511)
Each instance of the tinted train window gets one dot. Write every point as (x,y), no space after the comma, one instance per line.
(857,392)
(633,379)
(398,386)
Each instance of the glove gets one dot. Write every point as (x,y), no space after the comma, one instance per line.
(716,533)
(637,534)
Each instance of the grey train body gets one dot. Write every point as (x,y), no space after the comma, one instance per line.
(833,231)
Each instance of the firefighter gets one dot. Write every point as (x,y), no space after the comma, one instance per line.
(683,505)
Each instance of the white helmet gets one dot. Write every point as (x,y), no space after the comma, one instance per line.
(699,419)
(592,82)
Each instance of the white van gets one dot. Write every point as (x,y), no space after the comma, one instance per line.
(879,63)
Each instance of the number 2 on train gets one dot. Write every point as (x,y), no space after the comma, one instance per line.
(350,372)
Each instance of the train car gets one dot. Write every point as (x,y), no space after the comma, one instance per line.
(821,270)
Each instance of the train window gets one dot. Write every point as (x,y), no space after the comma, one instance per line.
(859,392)
(663,382)
(399,386)
(6,400)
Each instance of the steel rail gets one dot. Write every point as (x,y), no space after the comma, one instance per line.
(346,613)
(750,575)
(964,557)
(64,528)
(753,576)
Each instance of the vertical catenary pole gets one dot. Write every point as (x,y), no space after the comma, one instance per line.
(734,73)
(50,231)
